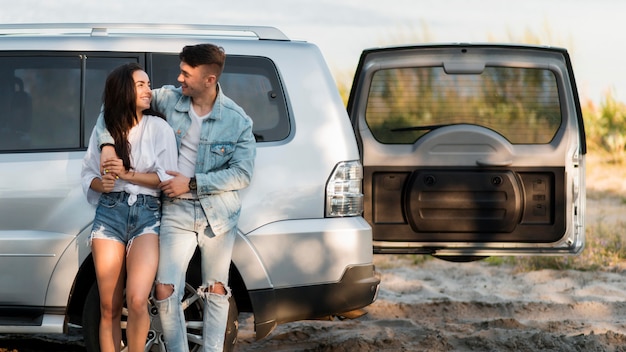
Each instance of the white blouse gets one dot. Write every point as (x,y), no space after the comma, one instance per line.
(153,149)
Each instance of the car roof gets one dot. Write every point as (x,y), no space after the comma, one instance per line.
(140,29)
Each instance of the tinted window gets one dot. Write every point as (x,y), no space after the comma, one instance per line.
(35,113)
(41,95)
(50,101)
(98,68)
(252,82)
(522,104)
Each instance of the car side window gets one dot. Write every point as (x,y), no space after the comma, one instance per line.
(252,82)
(98,68)
(35,113)
(521,104)
(50,101)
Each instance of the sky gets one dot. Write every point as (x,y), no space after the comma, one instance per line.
(592,31)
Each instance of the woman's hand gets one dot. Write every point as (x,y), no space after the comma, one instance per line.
(115,166)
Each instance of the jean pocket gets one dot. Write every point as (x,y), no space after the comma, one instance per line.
(153,203)
(108,201)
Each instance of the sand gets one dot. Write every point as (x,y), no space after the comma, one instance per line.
(442,306)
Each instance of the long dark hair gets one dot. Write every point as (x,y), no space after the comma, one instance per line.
(120,108)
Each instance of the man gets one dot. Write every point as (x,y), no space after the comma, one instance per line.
(216,151)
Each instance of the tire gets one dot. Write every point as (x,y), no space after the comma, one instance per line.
(91,319)
(232,327)
(460,259)
(193,316)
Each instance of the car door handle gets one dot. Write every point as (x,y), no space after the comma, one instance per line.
(483,162)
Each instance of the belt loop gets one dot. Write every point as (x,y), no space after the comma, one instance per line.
(119,196)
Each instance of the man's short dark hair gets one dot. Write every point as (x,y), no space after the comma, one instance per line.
(204,54)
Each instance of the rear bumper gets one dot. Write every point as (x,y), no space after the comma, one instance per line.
(357,288)
(572,244)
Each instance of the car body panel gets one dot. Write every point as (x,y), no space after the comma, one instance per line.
(316,250)
(42,210)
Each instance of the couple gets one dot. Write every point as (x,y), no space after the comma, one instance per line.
(198,163)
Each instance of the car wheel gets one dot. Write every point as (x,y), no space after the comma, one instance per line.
(193,309)
(91,323)
(232,327)
(460,259)
(91,319)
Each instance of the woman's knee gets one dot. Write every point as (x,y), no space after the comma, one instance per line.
(110,311)
(137,303)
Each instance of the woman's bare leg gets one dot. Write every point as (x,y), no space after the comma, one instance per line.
(109,259)
(141,268)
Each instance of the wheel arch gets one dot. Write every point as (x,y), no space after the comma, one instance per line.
(85,278)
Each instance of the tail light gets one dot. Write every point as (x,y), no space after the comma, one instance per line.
(344,196)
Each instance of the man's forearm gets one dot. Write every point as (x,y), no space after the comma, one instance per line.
(102,134)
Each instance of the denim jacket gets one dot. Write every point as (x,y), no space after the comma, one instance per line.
(225,155)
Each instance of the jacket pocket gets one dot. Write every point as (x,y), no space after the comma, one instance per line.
(219,155)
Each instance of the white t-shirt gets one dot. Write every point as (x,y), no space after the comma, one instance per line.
(188,153)
(189,145)
(153,149)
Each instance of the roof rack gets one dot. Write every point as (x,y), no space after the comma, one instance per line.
(106,29)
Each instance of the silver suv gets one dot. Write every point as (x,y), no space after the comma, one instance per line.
(303,249)
(459,151)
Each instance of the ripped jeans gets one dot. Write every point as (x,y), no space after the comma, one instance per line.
(184,227)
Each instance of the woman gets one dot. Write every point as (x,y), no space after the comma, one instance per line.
(124,237)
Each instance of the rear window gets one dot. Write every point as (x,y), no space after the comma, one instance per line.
(521,104)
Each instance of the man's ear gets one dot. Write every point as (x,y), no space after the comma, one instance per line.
(211,79)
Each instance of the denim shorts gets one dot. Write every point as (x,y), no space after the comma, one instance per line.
(116,220)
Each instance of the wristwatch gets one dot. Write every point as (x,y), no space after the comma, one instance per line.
(192,184)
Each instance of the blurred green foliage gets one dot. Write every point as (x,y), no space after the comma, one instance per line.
(605,127)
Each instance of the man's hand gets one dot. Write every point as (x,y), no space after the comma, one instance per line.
(175,186)
(108,181)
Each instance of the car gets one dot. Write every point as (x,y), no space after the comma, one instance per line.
(471,150)
(460,151)
(303,249)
